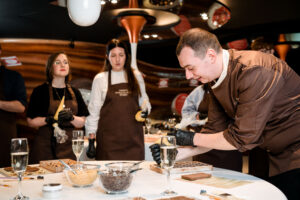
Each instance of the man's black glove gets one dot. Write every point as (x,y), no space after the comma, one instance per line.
(144,114)
(155,149)
(91,151)
(50,120)
(64,118)
(183,138)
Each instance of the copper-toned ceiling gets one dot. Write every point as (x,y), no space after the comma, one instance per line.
(249,18)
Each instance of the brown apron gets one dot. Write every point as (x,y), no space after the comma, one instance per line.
(224,159)
(119,135)
(45,146)
(8,127)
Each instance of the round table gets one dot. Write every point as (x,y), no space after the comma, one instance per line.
(149,185)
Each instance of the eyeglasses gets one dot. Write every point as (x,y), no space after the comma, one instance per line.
(58,62)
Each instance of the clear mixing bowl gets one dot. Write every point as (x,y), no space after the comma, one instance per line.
(85,175)
(117,178)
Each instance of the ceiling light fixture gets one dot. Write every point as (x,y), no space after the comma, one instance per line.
(162,4)
(84,12)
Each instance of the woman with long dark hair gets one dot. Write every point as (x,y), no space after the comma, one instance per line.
(117,95)
(43,105)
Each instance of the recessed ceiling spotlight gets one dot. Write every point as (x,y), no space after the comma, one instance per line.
(154,35)
(204,16)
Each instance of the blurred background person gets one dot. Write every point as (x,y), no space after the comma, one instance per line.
(44,102)
(263,45)
(12,101)
(117,95)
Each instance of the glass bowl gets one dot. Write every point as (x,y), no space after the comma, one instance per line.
(85,175)
(117,178)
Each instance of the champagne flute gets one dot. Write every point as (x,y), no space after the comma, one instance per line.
(148,125)
(168,152)
(78,143)
(172,123)
(19,161)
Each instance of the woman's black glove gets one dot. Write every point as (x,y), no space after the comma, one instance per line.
(144,114)
(183,138)
(64,118)
(155,150)
(91,151)
(50,120)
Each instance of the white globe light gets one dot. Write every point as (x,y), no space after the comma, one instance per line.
(84,12)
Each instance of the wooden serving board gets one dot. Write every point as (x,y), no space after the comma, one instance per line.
(179,198)
(54,165)
(184,167)
(30,171)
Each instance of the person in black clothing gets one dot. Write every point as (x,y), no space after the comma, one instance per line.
(43,105)
(12,101)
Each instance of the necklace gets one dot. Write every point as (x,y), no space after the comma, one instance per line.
(59,96)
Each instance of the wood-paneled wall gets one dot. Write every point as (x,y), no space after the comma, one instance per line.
(86,60)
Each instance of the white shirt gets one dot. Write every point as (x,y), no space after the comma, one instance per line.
(98,95)
(224,71)
(189,110)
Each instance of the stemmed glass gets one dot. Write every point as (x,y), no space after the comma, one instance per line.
(172,123)
(168,152)
(148,125)
(19,161)
(78,143)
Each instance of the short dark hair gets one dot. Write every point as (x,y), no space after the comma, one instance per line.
(49,66)
(199,40)
(261,43)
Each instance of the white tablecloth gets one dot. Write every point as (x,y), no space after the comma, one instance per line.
(147,184)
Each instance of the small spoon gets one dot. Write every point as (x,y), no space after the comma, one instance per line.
(137,163)
(134,170)
(68,167)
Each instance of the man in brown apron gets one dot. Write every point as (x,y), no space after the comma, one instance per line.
(256,95)
(45,146)
(12,101)
(119,135)
(224,159)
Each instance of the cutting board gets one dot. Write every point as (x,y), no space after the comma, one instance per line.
(54,165)
(30,171)
(184,167)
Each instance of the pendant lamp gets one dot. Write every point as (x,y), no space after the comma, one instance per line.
(84,12)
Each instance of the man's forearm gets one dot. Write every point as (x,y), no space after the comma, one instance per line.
(12,106)
(212,141)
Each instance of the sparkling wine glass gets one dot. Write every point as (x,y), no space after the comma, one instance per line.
(148,125)
(78,143)
(172,123)
(168,152)
(19,161)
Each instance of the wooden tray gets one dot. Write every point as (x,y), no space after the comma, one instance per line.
(30,171)
(54,165)
(184,167)
(179,198)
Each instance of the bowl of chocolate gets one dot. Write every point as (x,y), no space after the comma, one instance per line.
(117,178)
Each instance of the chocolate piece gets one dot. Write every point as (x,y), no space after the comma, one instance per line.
(192,177)
(178,198)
